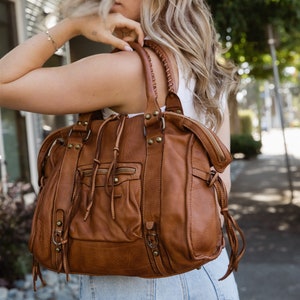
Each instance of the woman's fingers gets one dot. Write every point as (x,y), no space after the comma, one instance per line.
(115,30)
(116,42)
(126,29)
(130,29)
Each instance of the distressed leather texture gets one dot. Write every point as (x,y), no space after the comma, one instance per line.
(136,196)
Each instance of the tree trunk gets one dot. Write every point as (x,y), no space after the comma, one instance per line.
(233,113)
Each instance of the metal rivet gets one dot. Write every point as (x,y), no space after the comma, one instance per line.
(70,146)
(155,253)
(79,123)
(147,116)
(58,249)
(116,180)
(159,139)
(59,223)
(156,113)
(85,123)
(150,141)
(179,111)
(78,146)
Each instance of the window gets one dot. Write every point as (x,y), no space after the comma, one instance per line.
(13,136)
(7,28)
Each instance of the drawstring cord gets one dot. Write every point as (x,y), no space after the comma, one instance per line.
(96,166)
(92,190)
(111,170)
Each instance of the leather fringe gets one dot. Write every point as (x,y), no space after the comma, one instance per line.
(36,273)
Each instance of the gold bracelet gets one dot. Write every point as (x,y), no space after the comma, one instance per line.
(50,38)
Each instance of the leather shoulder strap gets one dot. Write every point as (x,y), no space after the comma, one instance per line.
(166,62)
(151,91)
(173,102)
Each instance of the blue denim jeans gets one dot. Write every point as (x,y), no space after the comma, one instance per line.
(202,284)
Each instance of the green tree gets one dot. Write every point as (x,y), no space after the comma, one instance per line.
(242,25)
(243,28)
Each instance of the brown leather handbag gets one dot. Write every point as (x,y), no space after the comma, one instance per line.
(137,196)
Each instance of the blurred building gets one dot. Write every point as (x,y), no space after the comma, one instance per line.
(21,133)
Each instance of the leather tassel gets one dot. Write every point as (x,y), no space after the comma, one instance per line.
(36,273)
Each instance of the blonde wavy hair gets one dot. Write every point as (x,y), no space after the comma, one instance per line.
(186,28)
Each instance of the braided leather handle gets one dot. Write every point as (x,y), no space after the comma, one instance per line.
(173,102)
(151,92)
(164,58)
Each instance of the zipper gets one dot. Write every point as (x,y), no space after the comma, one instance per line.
(60,141)
(104,171)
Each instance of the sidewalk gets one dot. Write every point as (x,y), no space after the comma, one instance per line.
(260,201)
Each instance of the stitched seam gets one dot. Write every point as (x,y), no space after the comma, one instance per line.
(93,288)
(185,291)
(152,294)
(80,287)
(219,295)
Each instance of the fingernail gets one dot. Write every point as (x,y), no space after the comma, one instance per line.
(128,48)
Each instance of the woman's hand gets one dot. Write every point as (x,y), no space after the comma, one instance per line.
(115,30)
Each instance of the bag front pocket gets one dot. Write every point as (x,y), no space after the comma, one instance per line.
(205,232)
(115,211)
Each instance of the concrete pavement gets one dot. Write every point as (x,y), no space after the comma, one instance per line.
(261,201)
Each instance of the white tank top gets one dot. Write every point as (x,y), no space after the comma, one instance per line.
(185,94)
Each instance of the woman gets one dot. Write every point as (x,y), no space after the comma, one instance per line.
(184,28)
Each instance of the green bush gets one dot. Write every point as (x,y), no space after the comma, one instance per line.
(245,144)
(15,224)
(246,119)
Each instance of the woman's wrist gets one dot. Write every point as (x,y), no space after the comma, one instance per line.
(34,52)
(51,39)
(61,33)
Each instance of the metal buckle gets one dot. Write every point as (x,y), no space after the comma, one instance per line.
(163,125)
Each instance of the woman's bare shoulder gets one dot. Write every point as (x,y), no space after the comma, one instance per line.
(117,80)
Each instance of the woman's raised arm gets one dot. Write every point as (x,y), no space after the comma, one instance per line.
(33,53)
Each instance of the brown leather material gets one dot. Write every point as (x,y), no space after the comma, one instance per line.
(133,196)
